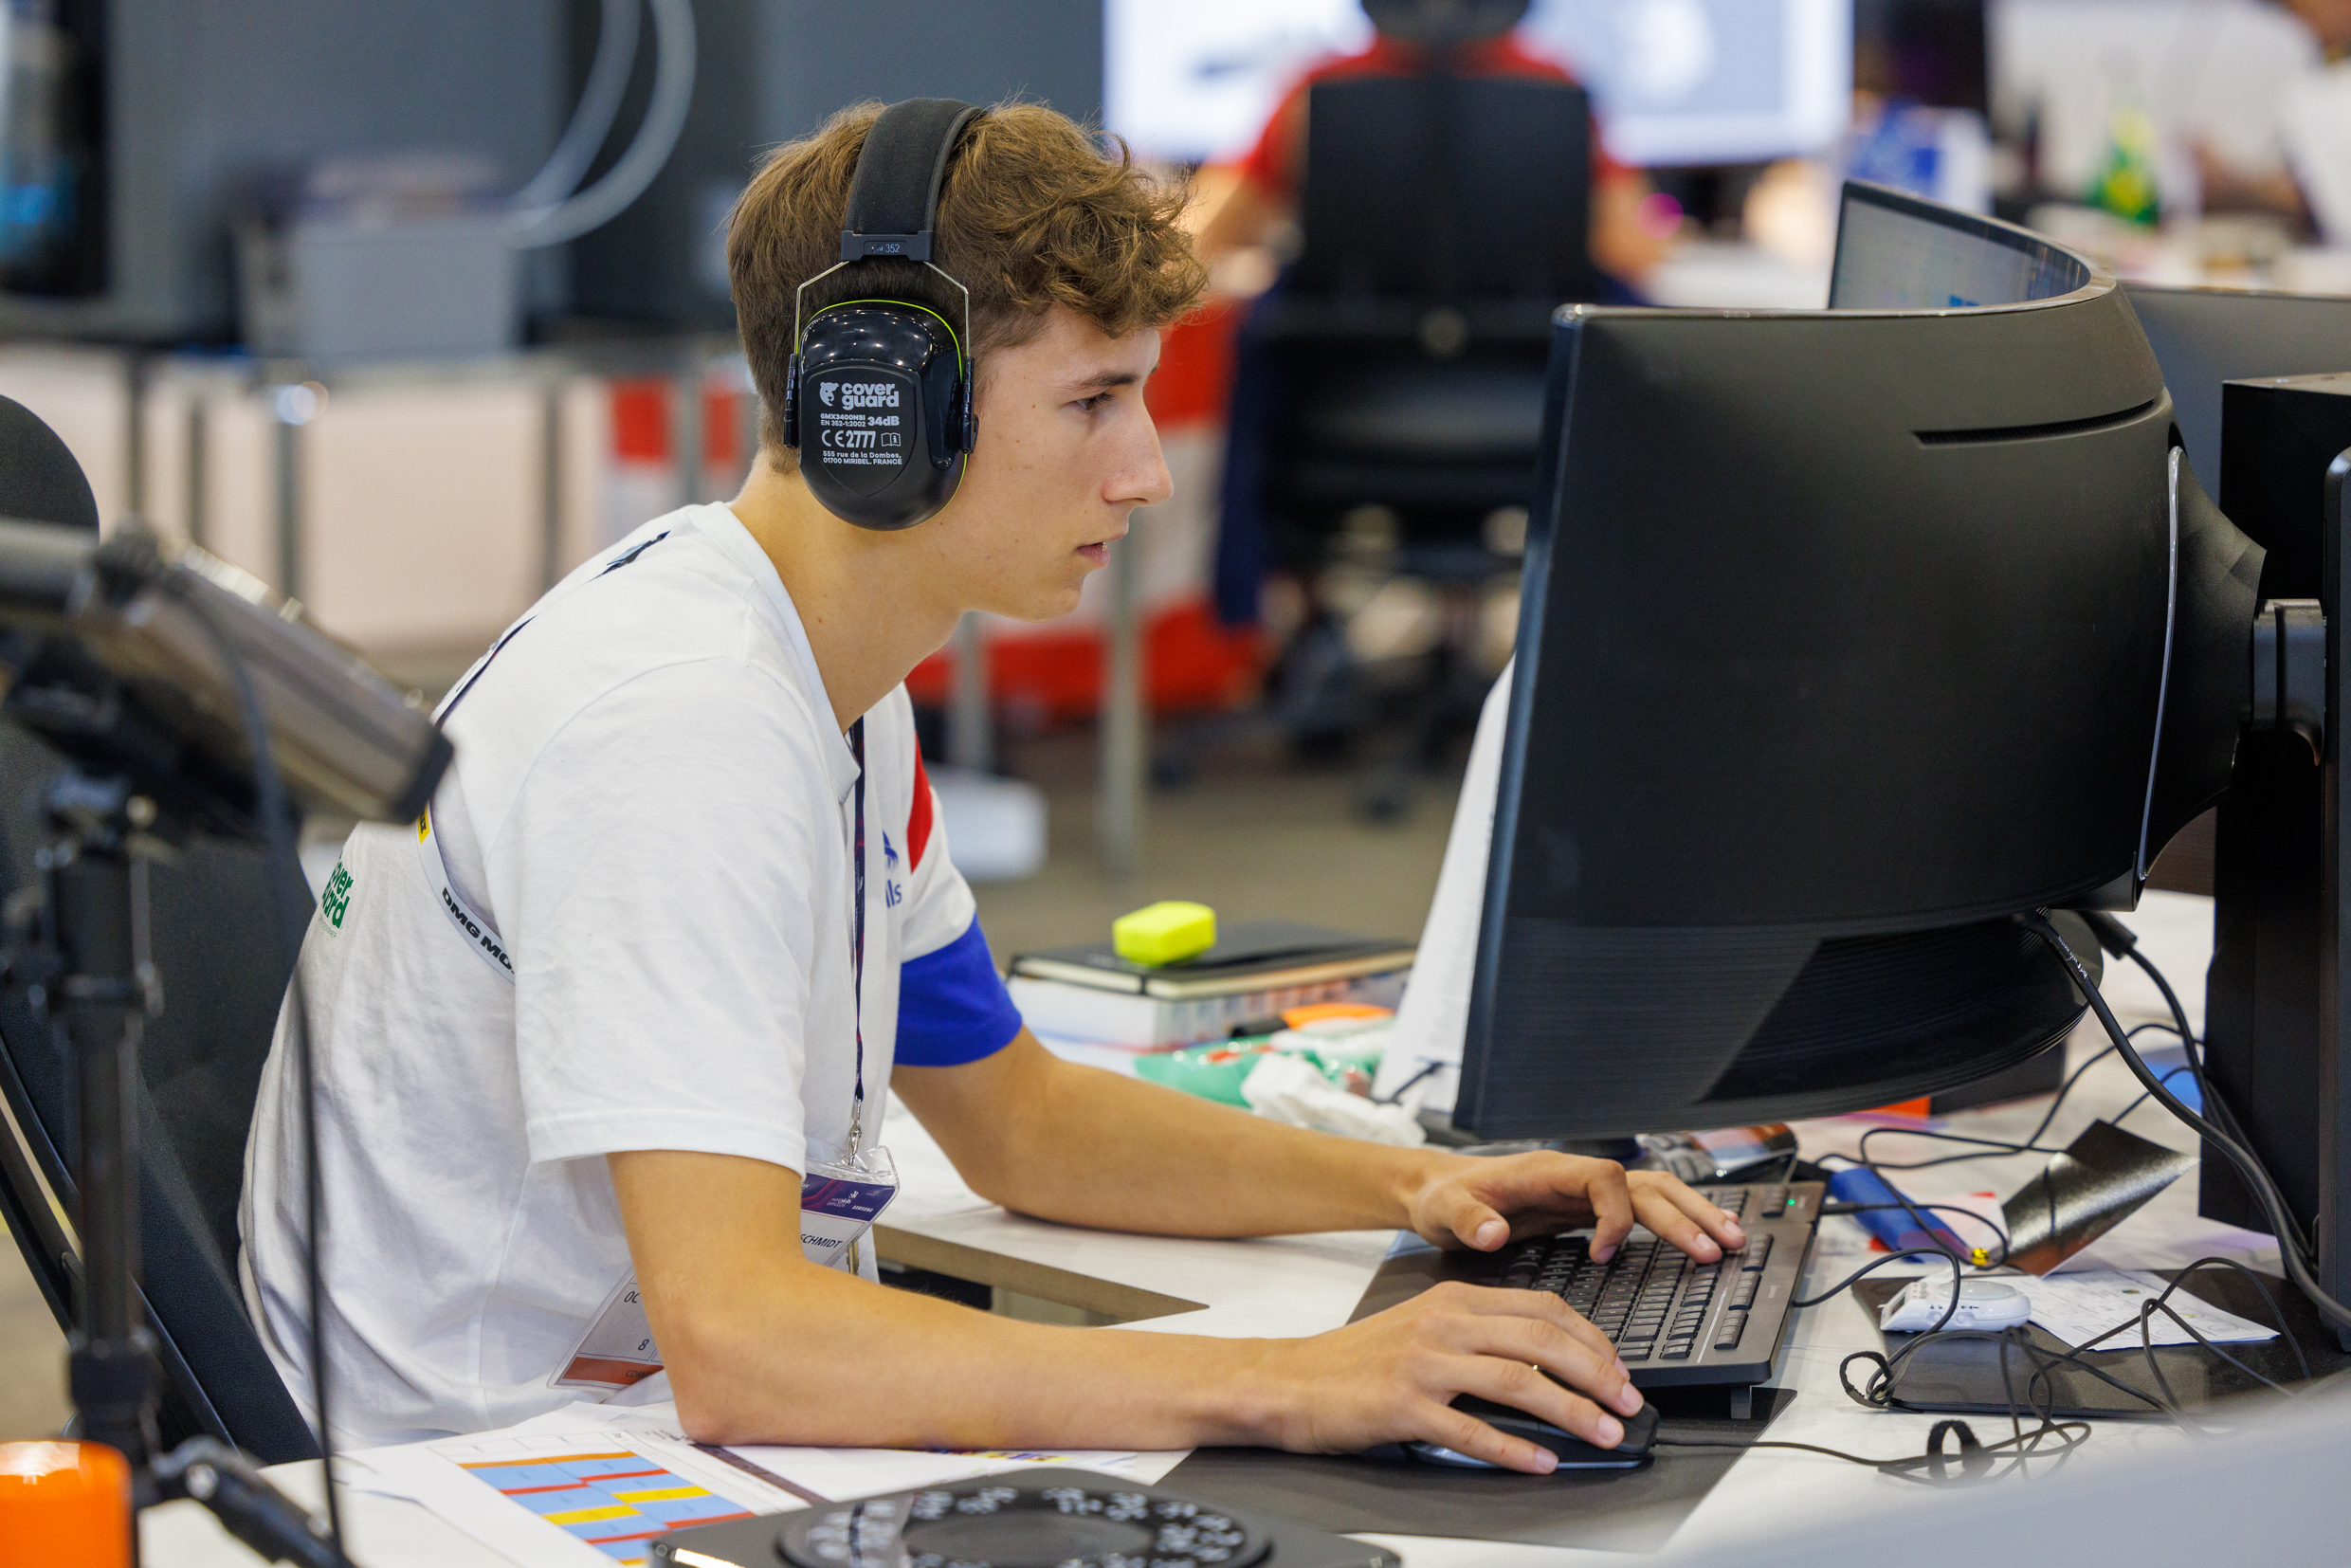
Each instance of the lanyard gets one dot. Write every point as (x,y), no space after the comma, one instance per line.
(857,927)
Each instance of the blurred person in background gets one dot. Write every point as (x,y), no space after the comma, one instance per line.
(1241,207)
(2311,189)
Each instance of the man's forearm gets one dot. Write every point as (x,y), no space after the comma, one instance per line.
(795,1354)
(1088,1147)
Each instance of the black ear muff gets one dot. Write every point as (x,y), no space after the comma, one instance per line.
(879,412)
(879,394)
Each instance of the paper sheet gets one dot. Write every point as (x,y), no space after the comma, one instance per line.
(2080,1306)
(590,1484)
(584,1497)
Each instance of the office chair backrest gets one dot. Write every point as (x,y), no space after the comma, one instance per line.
(1444,189)
(201,1062)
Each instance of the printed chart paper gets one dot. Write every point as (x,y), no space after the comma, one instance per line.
(2080,1306)
(590,1484)
(587,1497)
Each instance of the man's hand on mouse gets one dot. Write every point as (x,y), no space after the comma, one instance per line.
(1482,1204)
(1393,1377)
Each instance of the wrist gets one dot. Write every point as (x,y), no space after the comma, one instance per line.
(1251,1397)
(1413,1174)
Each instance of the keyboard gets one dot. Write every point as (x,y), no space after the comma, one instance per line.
(1674,1321)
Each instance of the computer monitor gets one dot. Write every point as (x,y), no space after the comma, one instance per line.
(1846,637)
(1707,81)
(1196,81)
(1896,252)
(2203,337)
(1673,82)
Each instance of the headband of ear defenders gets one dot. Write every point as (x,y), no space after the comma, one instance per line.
(877,397)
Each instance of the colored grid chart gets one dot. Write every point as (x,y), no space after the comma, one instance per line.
(614,1501)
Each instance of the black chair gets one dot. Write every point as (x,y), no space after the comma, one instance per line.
(1399,362)
(201,1063)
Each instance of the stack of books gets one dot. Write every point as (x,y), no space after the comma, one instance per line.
(1257,969)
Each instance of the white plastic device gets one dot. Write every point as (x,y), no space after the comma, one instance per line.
(1983,1303)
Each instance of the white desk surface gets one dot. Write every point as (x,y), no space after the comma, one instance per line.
(1304,1284)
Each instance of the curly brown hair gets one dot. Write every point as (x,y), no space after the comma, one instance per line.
(1032,214)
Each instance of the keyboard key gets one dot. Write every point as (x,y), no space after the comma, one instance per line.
(1677,1351)
(1756,1251)
(1631,1353)
(1727,1337)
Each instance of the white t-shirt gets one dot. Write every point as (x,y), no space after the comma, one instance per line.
(653,806)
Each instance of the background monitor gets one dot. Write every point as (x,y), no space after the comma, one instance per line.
(1844,639)
(1707,81)
(1896,252)
(1673,82)
(2203,337)
(1197,81)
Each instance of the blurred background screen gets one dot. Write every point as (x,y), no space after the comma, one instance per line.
(1673,82)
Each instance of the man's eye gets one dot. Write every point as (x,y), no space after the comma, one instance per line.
(1090,404)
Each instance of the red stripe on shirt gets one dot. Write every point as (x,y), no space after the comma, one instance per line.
(919,817)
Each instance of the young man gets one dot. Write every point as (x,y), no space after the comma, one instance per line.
(596,1019)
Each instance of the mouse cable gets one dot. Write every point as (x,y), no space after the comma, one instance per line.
(2292,1245)
(1974,1459)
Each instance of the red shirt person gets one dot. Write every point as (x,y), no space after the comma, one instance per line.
(1263,187)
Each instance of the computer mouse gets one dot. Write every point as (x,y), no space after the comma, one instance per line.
(1575,1453)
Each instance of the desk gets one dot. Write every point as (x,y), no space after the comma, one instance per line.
(1304,1284)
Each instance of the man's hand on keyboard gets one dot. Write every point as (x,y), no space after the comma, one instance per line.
(1484,1203)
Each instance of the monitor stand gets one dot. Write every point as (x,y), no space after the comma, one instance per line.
(2277,1016)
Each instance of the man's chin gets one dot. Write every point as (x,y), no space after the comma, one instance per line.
(1044,605)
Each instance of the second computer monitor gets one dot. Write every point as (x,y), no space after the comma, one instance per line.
(2203,337)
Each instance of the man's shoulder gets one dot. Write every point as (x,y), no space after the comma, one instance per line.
(668,615)
(671,594)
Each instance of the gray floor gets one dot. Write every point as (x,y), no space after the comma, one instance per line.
(1252,837)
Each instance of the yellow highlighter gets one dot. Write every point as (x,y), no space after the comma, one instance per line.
(1164,933)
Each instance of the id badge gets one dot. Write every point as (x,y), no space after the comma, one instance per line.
(840,1198)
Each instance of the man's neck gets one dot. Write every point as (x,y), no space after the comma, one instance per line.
(869,614)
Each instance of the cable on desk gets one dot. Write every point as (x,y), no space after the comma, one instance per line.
(2031,1144)
(2118,1116)
(1975,1458)
(2293,1246)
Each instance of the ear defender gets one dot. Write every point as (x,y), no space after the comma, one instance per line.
(878,395)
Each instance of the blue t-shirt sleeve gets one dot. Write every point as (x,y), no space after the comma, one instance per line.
(952,1005)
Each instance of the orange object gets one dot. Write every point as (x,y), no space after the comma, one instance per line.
(1314,1012)
(65,1503)
(1919,1107)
